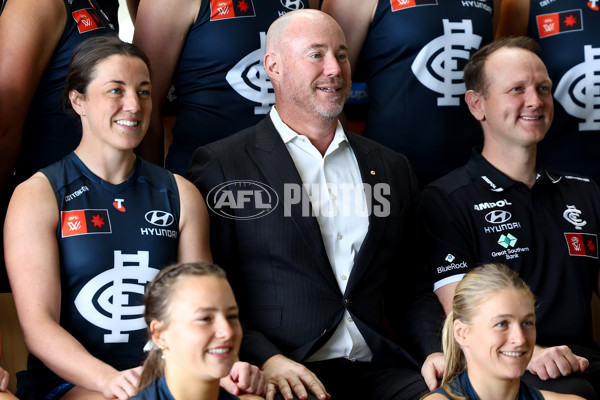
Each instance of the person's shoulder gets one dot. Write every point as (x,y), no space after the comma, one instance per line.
(558,396)
(456,180)
(247,135)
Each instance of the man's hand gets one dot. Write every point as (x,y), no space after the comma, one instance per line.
(245,378)
(554,362)
(123,384)
(287,375)
(433,369)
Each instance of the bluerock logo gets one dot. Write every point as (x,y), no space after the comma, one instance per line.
(245,200)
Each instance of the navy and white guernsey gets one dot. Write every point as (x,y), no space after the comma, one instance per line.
(413,56)
(220,80)
(49,133)
(568,32)
(113,239)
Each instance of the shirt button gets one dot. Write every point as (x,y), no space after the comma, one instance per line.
(339,236)
(350,319)
(344,277)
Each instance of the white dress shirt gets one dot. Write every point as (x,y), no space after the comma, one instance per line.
(334,186)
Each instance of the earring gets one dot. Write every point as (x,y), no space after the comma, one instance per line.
(162,350)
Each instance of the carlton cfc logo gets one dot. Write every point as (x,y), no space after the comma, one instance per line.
(577,90)
(108,300)
(249,79)
(437,64)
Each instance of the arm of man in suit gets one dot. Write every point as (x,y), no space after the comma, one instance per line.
(419,316)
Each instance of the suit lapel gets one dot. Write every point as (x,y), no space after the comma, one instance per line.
(272,158)
(372,172)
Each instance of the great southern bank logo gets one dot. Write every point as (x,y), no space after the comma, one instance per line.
(255,199)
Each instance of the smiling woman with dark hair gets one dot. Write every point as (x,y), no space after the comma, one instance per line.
(84,235)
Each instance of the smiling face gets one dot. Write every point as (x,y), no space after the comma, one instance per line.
(203,336)
(117,105)
(517,107)
(312,68)
(499,341)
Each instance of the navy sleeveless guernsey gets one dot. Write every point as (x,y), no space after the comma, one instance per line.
(413,58)
(49,133)
(113,240)
(568,32)
(220,80)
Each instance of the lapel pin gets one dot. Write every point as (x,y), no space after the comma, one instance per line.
(372,172)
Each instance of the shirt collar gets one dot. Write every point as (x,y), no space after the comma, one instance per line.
(495,180)
(289,135)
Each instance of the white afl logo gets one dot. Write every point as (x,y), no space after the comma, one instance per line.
(242,200)
(159,218)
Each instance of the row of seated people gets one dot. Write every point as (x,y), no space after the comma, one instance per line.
(275,257)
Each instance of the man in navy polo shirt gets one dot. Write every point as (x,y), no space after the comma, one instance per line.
(502,206)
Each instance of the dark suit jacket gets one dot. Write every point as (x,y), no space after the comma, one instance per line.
(289,300)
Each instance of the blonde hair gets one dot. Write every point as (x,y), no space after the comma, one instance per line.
(474,289)
(157,306)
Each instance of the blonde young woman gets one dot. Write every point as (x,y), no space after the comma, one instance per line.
(488,339)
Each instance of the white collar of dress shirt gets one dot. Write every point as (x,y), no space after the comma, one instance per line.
(287,134)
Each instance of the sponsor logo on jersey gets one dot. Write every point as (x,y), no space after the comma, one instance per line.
(572,215)
(159,218)
(477,4)
(250,80)
(502,227)
(450,267)
(402,4)
(555,23)
(84,222)
(439,65)
(493,204)
(593,4)
(112,300)
(577,90)
(577,178)
(582,244)
(292,4)
(227,9)
(86,20)
(76,193)
(509,241)
(498,216)
(118,204)
(492,185)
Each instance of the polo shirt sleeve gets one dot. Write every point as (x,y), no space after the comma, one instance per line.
(446,240)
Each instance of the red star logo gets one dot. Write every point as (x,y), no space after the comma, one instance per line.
(590,245)
(243,5)
(97,221)
(570,20)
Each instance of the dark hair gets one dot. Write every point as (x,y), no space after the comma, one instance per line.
(474,74)
(88,55)
(475,288)
(157,306)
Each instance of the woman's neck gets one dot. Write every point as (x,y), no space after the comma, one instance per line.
(184,387)
(490,388)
